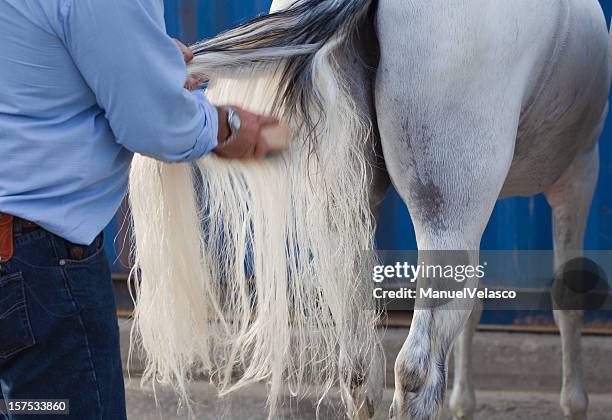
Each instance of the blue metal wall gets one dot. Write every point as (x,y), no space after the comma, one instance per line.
(191,20)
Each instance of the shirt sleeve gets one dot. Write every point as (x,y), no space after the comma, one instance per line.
(137,74)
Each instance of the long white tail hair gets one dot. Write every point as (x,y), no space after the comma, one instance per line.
(257,271)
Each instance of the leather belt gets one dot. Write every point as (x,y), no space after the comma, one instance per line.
(7,223)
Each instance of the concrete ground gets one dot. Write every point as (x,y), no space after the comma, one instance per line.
(517,375)
(249,405)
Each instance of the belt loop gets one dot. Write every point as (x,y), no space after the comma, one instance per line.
(17,228)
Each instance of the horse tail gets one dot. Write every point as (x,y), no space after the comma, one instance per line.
(298,314)
(294,35)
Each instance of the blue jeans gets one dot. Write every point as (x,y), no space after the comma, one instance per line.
(59,337)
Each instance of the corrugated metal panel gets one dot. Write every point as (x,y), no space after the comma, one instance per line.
(191,20)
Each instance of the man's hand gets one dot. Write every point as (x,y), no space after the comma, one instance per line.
(192,82)
(249,143)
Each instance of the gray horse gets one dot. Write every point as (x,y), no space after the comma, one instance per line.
(469,101)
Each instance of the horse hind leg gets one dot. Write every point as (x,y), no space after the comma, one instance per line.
(570,199)
(463,398)
(449,166)
(367,391)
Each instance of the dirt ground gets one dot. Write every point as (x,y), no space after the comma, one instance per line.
(518,376)
(249,405)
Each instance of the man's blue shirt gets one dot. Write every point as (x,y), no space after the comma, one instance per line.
(84,84)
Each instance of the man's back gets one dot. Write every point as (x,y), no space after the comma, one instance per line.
(84,84)
(51,124)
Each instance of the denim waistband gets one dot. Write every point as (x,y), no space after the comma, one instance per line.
(24,237)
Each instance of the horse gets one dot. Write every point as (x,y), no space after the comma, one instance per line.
(455,103)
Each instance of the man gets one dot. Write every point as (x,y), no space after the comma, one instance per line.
(85,84)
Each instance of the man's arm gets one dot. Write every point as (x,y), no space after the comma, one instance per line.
(137,74)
